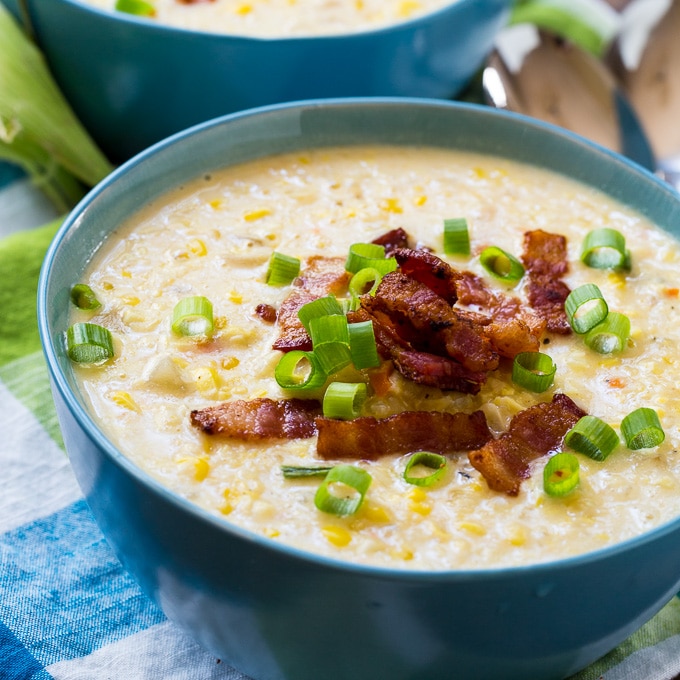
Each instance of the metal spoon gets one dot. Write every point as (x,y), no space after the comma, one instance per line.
(645,59)
(541,75)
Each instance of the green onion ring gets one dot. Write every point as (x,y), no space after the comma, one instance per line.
(501,265)
(83,297)
(298,370)
(365,282)
(282,269)
(344,401)
(561,474)
(322,306)
(585,307)
(605,248)
(611,335)
(89,343)
(328,500)
(193,316)
(434,461)
(642,429)
(592,437)
(330,342)
(362,345)
(534,371)
(456,236)
(371,255)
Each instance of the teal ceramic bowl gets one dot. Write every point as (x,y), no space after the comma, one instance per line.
(277,613)
(133,82)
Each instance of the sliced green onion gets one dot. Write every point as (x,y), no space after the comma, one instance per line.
(292,471)
(89,343)
(330,341)
(83,297)
(585,307)
(592,437)
(344,400)
(298,370)
(534,371)
(435,462)
(137,7)
(317,308)
(350,304)
(282,269)
(501,265)
(642,429)
(611,335)
(561,474)
(362,345)
(605,248)
(193,316)
(369,255)
(456,236)
(343,490)
(365,282)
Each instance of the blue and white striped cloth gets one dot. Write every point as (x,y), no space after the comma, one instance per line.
(68,610)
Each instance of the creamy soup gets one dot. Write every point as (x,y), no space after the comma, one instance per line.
(282,18)
(214,238)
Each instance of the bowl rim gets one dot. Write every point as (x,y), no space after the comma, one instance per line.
(406,574)
(430,17)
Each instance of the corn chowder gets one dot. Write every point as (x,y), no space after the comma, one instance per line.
(214,238)
(275,18)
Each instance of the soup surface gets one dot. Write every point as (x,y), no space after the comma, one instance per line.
(214,238)
(283,18)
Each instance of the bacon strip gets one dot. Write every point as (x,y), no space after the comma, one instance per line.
(430,270)
(533,432)
(406,432)
(321,276)
(393,239)
(545,257)
(259,419)
(428,321)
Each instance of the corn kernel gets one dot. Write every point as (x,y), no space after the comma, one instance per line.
(408,7)
(473,528)
(215,203)
(244,9)
(423,509)
(617,279)
(220,323)
(131,300)
(375,513)
(235,297)
(124,400)
(206,379)
(201,469)
(421,200)
(126,273)
(517,536)
(391,205)
(338,536)
(272,533)
(227,363)
(359,4)
(198,247)
(256,214)
(227,508)
(107,285)
(417,494)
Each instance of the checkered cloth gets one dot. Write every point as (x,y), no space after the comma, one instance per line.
(68,610)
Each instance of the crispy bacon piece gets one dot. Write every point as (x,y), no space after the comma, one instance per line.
(429,323)
(421,367)
(545,257)
(426,268)
(369,438)
(259,419)
(533,432)
(266,312)
(393,239)
(321,276)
